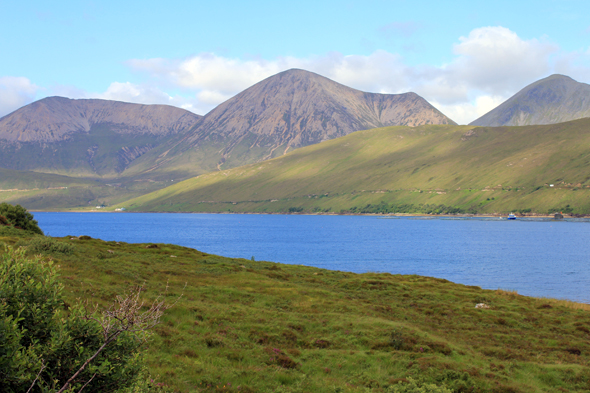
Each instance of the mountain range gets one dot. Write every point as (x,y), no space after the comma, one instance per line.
(107,151)
(298,108)
(112,139)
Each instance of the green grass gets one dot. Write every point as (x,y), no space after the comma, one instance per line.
(474,169)
(46,191)
(245,326)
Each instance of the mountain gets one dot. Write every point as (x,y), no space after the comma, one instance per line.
(475,169)
(56,119)
(86,137)
(134,149)
(555,99)
(291,109)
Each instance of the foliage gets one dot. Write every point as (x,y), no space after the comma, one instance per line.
(42,344)
(7,230)
(386,208)
(412,386)
(49,245)
(19,217)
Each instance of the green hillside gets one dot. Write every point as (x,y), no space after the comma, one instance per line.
(45,191)
(20,180)
(433,168)
(249,326)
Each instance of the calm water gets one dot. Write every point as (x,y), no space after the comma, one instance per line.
(537,258)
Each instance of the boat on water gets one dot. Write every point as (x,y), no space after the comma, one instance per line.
(511,216)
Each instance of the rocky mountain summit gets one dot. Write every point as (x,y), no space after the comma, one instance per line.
(555,99)
(298,108)
(56,119)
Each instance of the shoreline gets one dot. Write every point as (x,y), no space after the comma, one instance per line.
(499,215)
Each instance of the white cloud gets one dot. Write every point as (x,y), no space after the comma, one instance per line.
(495,60)
(147,94)
(466,112)
(15,92)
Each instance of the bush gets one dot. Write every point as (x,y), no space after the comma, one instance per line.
(39,244)
(19,217)
(42,345)
(412,386)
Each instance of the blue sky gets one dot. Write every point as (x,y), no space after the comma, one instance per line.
(465,57)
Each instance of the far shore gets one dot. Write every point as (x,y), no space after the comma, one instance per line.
(499,215)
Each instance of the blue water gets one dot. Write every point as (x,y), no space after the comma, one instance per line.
(536,258)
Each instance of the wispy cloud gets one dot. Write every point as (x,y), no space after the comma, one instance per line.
(15,92)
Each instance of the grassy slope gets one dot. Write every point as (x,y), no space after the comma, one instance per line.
(243,324)
(89,180)
(488,169)
(43,191)
(12,179)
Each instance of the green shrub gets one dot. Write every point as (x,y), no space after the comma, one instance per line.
(19,217)
(10,231)
(41,244)
(42,344)
(412,386)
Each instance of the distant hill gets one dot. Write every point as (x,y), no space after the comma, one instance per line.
(555,99)
(292,109)
(475,169)
(85,137)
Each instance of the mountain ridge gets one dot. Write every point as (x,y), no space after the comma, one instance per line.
(54,119)
(555,99)
(296,108)
(294,112)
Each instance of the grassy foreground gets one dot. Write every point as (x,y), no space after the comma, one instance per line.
(249,326)
(426,169)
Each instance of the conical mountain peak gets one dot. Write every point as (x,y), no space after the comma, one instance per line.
(555,99)
(297,108)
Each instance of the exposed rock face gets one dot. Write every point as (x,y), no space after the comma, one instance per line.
(298,108)
(56,119)
(555,99)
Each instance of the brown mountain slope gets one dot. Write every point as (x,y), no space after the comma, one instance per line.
(86,137)
(555,99)
(298,108)
(292,109)
(55,119)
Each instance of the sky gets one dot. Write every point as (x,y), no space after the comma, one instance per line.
(464,57)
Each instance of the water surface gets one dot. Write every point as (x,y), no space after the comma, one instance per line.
(536,258)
